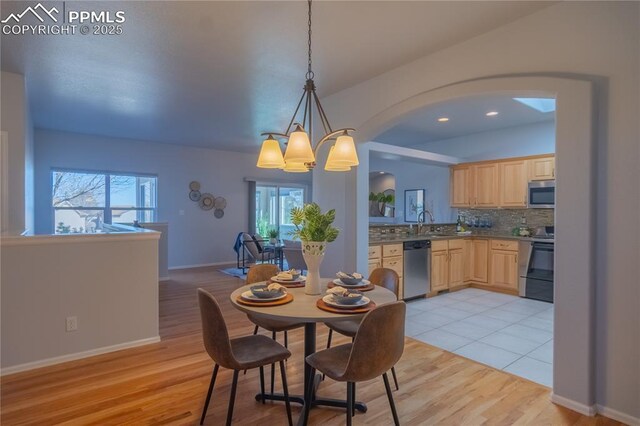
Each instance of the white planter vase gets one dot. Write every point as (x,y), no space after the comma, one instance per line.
(313,253)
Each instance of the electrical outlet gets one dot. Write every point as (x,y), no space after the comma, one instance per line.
(72,323)
(181,212)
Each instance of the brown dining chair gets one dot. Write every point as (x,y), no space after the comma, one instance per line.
(384,277)
(259,273)
(237,354)
(377,346)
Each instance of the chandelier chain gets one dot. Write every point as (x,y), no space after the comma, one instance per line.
(309,71)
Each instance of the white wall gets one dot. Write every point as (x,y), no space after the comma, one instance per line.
(16,121)
(412,175)
(196,237)
(517,141)
(109,282)
(596,40)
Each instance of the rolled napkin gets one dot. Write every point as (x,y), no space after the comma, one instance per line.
(337,290)
(285,276)
(355,275)
(276,287)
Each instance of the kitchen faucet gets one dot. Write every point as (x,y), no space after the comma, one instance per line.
(421,219)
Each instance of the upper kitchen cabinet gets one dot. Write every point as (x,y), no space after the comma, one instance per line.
(513,183)
(485,185)
(500,183)
(461,186)
(542,168)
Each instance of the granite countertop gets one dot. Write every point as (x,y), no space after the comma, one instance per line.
(400,238)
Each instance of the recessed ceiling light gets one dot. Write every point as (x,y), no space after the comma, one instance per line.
(443,119)
(381,173)
(491,113)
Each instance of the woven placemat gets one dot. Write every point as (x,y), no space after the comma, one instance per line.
(288,298)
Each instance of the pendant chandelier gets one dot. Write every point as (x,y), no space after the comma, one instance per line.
(300,155)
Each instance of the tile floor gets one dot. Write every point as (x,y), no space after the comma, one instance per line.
(505,332)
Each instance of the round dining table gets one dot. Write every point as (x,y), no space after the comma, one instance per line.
(303,309)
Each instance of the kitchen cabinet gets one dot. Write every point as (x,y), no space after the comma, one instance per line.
(447,264)
(513,183)
(500,183)
(439,270)
(461,186)
(485,185)
(479,260)
(543,168)
(456,266)
(387,256)
(467,251)
(503,265)
(375,258)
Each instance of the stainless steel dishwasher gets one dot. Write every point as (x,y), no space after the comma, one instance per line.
(417,268)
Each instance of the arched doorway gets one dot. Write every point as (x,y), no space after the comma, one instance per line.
(575,213)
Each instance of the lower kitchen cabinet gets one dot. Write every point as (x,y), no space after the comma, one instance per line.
(479,261)
(504,269)
(439,270)
(388,256)
(456,267)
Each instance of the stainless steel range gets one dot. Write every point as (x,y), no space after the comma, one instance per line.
(536,267)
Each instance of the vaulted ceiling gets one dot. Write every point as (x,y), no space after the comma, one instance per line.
(216,73)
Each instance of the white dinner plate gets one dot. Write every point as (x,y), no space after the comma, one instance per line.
(247,295)
(363,283)
(328,299)
(300,279)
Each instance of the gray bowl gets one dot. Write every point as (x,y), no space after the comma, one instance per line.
(351,281)
(345,300)
(261,292)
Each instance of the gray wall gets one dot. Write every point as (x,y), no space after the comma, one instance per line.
(413,175)
(518,141)
(196,237)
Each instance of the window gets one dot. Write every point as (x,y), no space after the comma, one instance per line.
(83,201)
(273,208)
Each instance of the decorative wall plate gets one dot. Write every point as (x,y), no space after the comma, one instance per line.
(220,203)
(194,185)
(206,201)
(195,195)
(218,213)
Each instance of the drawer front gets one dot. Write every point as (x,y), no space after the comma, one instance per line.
(456,244)
(391,250)
(439,245)
(509,245)
(394,263)
(374,252)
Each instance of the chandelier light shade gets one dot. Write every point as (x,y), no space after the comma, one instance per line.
(299,147)
(332,166)
(292,167)
(300,154)
(270,155)
(345,151)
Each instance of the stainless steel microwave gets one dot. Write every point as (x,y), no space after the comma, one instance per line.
(542,194)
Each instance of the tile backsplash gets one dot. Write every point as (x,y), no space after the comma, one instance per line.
(504,220)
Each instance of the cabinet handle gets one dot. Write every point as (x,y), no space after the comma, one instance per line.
(553,172)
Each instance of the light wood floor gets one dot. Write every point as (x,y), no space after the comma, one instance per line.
(165,383)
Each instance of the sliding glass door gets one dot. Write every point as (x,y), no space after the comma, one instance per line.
(273,208)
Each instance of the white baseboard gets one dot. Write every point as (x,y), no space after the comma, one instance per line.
(587,410)
(164,278)
(201,265)
(78,355)
(618,415)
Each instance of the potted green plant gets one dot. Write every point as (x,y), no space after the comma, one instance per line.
(315,229)
(273,235)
